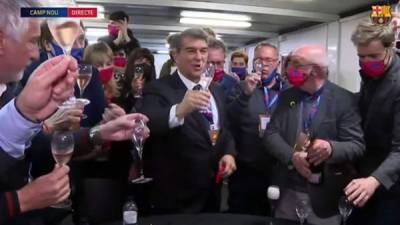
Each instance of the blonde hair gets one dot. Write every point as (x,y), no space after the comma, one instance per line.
(95,54)
(366,32)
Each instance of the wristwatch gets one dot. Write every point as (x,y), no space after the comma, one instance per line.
(95,136)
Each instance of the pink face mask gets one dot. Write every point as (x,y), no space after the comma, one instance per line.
(374,68)
(113,30)
(106,74)
(295,77)
(218,74)
(119,61)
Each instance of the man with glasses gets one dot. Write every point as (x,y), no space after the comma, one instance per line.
(216,56)
(253,103)
(377,192)
(315,135)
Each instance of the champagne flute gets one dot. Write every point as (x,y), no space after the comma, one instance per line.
(138,140)
(62,148)
(84,77)
(138,74)
(258,67)
(345,208)
(207,76)
(303,210)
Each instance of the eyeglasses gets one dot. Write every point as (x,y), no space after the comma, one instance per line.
(217,63)
(266,60)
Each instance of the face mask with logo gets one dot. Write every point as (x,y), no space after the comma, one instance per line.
(240,71)
(373,69)
(295,77)
(105,74)
(119,61)
(218,74)
(271,76)
(113,30)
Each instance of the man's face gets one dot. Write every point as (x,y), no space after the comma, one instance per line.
(16,55)
(216,56)
(192,57)
(372,52)
(269,58)
(238,62)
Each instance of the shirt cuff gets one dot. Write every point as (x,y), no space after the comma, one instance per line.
(174,121)
(16,132)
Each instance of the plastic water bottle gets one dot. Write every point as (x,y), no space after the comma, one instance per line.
(130,212)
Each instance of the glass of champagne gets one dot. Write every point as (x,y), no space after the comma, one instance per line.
(62,148)
(138,74)
(303,210)
(207,76)
(258,67)
(138,139)
(345,208)
(84,76)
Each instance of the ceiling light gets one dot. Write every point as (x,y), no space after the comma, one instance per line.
(96,32)
(214,22)
(213,15)
(162,52)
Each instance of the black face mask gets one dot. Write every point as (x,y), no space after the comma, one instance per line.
(146,68)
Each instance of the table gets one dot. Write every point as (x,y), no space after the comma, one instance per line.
(210,219)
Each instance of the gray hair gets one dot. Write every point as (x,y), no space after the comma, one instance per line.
(11,21)
(172,39)
(196,33)
(216,44)
(366,32)
(266,44)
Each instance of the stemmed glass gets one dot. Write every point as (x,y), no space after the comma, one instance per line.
(303,210)
(84,76)
(62,148)
(207,76)
(345,208)
(64,29)
(138,74)
(138,140)
(258,67)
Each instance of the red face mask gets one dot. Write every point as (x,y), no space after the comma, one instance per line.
(119,61)
(106,74)
(218,74)
(113,30)
(373,69)
(295,77)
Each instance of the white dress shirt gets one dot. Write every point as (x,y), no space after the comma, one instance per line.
(174,121)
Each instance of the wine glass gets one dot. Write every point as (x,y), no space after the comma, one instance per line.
(303,210)
(138,140)
(258,67)
(62,148)
(207,76)
(84,76)
(345,208)
(64,29)
(138,74)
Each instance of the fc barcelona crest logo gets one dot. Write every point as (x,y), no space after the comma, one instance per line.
(381,14)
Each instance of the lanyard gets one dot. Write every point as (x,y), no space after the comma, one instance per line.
(269,103)
(311,114)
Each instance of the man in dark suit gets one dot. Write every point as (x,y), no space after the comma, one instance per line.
(252,104)
(185,161)
(378,190)
(326,115)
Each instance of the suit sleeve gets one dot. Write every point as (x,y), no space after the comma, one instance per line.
(9,206)
(349,145)
(273,142)
(156,107)
(388,172)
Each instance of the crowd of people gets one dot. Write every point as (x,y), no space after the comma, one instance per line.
(249,128)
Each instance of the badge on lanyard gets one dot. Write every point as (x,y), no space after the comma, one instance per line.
(264,121)
(213,133)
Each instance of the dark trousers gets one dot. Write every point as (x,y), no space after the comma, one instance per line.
(382,209)
(248,192)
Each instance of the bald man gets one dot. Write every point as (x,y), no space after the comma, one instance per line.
(315,134)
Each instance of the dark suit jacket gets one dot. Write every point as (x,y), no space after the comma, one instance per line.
(381,124)
(337,121)
(244,112)
(182,160)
